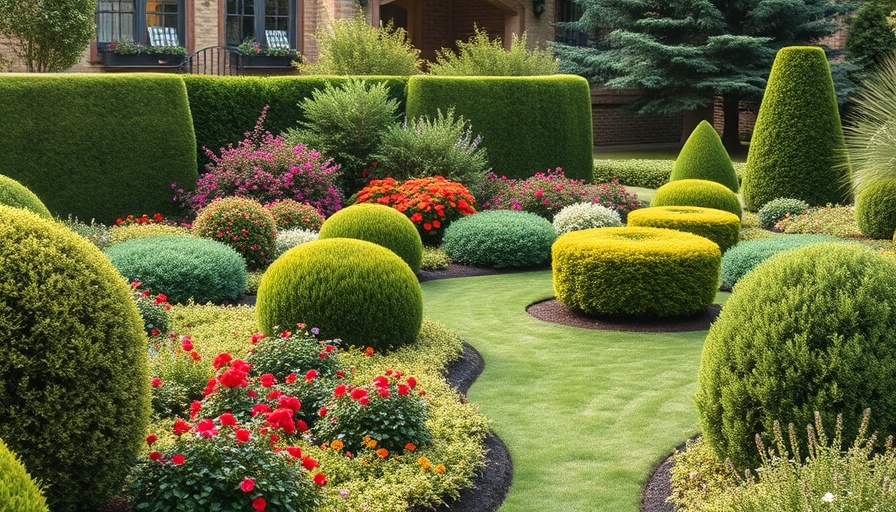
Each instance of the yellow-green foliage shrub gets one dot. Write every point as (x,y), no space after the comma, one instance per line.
(350,289)
(636,271)
(120,234)
(381,225)
(719,226)
(13,193)
(74,399)
(703,157)
(876,209)
(18,492)
(702,193)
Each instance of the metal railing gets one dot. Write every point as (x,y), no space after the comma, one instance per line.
(213,60)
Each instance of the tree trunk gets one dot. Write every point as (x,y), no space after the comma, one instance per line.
(731,128)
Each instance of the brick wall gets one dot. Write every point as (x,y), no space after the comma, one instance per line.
(616,126)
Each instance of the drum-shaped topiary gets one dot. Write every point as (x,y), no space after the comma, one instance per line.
(500,238)
(876,209)
(811,329)
(18,492)
(74,378)
(719,226)
(703,157)
(13,193)
(291,214)
(702,193)
(381,225)
(353,290)
(243,224)
(645,272)
(747,255)
(182,267)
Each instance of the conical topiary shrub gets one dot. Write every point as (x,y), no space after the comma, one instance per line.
(797,147)
(703,157)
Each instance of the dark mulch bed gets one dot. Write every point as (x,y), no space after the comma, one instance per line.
(550,310)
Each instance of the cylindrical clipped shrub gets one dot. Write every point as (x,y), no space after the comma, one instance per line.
(353,290)
(703,157)
(381,225)
(719,226)
(74,399)
(876,209)
(702,193)
(746,255)
(182,267)
(243,224)
(500,238)
(13,193)
(645,272)
(291,214)
(585,216)
(777,209)
(811,329)
(18,492)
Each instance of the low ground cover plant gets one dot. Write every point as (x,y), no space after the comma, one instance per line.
(834,220)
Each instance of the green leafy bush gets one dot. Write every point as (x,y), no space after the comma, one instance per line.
(697,477)
(585,216)
(869,38)
(353,290)
(154,310)
(123,233)
(633,173)
(808,330)
(701,193)
(500,238)
(291,214)
(185,267)
(778,209)
(484,56)
(719,226)
(13,193)
(831,220)
(645,272)
(380,224)
(290,238)
(434,258)
(876,209)
(745,256)
(703,157)
(299,352)
(75,399)
(18,491)
(178,375)
(797,146)
(242,224)
(432,146)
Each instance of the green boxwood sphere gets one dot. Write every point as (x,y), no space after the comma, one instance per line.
(876,209)
(381,225)
(13,193)
(500,238)
(74,399)
(812,329)
(635,271)
(353,290)
(719,226)
(18,492)
(703,157)
(182,267)
(702,193)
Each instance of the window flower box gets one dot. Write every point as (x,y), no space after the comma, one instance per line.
(262,61)
(141,60)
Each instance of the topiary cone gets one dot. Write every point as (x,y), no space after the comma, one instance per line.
(703,157)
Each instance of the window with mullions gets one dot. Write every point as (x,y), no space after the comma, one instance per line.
(568,11)
(129,19)
(248,19)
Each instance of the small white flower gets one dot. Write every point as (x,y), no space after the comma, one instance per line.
(828,498)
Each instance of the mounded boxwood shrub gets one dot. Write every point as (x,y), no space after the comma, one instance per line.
(777,209)
(291,214)
(635,271)
(73,363)
(98,145)
(182,267)
(797,146)
(702,193)
(242,224)
(876,209)
(703,157)
(381,225)
(521,136)
(746,255)
(808,330)
(719,226)
(13,193)
(500,238)
(350,289)
(18,492)
(633,173)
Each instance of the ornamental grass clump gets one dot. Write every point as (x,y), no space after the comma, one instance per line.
(500,239)
(290,214)
(585,216)
(18,491)
(381,225)
(242,224)
(779,208)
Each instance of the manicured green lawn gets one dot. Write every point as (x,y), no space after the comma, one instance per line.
(586,414)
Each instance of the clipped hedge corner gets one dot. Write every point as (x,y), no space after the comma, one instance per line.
(719,226)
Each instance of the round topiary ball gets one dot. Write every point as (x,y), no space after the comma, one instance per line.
(778,209)
(381,225)
(182,267)
(646,272)
(719,226)
(703,157)
(13,193)
(812,329)
(876,209)
(73,362)
(585,216)
(18,491)
(291,214)
(243,224)
(500,238)
(353,290)
(702,193)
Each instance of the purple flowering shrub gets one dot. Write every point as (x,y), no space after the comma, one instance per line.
(265,168)
(546,193)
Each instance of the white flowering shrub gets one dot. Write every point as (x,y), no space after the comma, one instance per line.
(289,238)
(584,216)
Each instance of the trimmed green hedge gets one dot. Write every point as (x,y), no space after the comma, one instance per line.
(98,146)
(719,226)
(528,124)
(380,224)
(703,157)
(634,173)
(702,193)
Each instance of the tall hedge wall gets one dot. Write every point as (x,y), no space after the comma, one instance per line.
(528,124)
(97,146)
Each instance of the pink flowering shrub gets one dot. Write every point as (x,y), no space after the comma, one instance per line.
(548,192)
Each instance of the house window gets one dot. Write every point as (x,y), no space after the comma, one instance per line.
(247,19)
(568,11)
(129,19)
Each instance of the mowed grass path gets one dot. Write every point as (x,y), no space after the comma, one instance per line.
(586,414)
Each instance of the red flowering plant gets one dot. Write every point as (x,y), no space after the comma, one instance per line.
(153,308)
(431,203)
(178,375)
(141,220)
